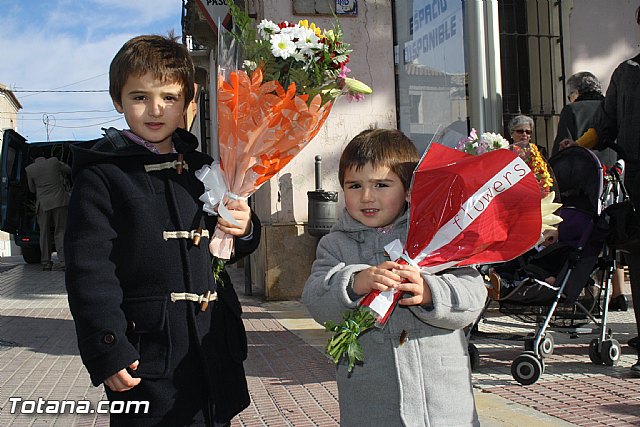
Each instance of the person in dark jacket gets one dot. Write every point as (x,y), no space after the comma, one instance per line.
(46,178)
(153,324)
(585,97)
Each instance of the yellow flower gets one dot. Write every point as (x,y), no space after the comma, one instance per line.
(316,30)
(539,167)
(312,26)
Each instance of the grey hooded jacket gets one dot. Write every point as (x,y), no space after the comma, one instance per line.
(427,380)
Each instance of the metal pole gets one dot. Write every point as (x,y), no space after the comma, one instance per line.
(476,65)
(494,78)
(318,172)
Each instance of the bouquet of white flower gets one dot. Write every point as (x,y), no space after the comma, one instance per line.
(488,141)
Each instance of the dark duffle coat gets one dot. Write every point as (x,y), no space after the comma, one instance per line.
(120,272)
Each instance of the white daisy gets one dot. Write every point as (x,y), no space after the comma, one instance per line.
(494,140)
(266,28)
(292,32)
(282,46)
(308,42)
(299,57)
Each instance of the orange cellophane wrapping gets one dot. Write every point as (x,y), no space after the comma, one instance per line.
(261,127)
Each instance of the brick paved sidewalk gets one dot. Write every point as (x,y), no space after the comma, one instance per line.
(38,353)
(291,383)
(571,388)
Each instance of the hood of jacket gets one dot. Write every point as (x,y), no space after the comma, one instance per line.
(114,144)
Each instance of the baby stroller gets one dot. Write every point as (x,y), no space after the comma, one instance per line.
(579,262)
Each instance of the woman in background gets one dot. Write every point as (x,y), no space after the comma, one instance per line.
(585,97)
(521,128)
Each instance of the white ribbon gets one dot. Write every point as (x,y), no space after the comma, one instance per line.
(216,189)
(383,302)
(396,251)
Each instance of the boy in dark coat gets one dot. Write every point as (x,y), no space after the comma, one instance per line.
(152,323)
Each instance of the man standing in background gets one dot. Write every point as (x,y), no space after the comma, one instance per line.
(46,178)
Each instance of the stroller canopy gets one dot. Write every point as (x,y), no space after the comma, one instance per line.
(579,175)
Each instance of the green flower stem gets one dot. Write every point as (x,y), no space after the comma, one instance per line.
(344,342)
(217,265)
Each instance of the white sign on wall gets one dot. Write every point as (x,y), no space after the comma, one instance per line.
(346,7)
(437,36)
(214,11)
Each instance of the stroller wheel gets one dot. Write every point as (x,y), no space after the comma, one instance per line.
(527,368)
(594,352)
(545,348)
(474,356)
(610,352)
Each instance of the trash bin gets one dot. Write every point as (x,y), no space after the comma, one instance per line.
(323,205)
(322,211)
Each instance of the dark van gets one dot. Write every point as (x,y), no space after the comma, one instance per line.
(17,203)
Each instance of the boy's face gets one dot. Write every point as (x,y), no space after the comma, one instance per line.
(374,197)
(153,109)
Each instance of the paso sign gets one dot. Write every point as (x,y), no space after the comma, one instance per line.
(214,11)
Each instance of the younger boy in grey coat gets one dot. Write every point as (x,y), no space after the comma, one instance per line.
(423,378)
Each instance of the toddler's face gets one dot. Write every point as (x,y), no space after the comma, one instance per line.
(152,108)
(374,196)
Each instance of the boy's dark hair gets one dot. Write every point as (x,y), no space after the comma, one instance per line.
(163,57)
(380,147)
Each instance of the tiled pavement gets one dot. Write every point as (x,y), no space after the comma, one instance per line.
(291,383)
(571,388)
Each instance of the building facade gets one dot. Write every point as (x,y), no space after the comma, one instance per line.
(437,67)
(9,106)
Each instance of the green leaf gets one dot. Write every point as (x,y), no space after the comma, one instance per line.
(339,58)
(217,266)
(330,325)
(344,342)
(355,353)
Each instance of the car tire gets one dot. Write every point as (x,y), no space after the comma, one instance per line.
(31,254)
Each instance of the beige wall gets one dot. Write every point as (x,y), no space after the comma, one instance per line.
(600,35)
(283,262)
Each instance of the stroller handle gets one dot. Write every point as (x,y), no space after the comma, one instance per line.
(618,168)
